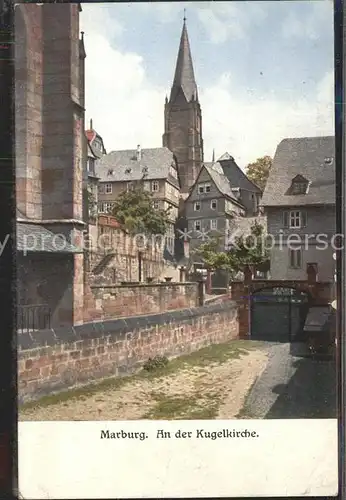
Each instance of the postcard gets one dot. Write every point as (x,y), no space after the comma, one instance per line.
(177,249)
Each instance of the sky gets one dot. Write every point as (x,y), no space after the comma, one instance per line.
(264,71)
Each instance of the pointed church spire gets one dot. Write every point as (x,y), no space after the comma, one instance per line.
(213,160)
(82,53)
(184,77)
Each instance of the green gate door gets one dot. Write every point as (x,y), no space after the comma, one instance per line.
(277,314)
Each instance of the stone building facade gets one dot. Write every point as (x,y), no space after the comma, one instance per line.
(50,154)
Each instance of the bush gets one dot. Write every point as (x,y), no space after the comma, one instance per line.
(155,363)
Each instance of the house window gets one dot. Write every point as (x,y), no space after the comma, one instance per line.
(213,204)
(197,225)
(299,188)
(106,208)
(295,219)
(129,186)
(213,224)
(295,257)
(197,206)
(156,205)
(205,187)
(154,186)
(109,188)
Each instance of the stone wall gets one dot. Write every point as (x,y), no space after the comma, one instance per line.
(115,256)
(126,300)
(56,360)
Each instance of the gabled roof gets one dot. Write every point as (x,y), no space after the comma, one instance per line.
(184,77)
(220,180)
(309,157)
(235,175)
(120,166)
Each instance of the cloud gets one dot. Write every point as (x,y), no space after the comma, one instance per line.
(311,27)
(224,21)
(127,106)
(248,127)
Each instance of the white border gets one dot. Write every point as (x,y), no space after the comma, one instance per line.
(69,460)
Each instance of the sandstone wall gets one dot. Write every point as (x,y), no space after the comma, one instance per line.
(56,360)
(103,302)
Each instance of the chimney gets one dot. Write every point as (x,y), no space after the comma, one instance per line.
(139,153)
(91,124)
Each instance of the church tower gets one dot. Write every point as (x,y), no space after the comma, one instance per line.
(183,117)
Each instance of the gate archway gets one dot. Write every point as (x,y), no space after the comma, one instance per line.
(277,314)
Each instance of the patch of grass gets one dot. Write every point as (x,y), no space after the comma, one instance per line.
(192,407)
(212,354)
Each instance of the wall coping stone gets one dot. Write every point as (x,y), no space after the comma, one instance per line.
(117,327)
(147,285)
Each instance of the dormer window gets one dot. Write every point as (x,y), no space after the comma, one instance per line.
(110,171)
(145,170)
(299,185)
(128,170)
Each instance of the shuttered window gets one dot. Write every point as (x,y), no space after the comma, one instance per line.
(294,219)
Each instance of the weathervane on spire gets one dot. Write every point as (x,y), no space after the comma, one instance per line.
(184,16)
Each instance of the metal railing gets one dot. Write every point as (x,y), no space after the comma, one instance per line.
(33,317)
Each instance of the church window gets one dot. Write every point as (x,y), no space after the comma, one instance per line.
(154,186)
(109,188)
(197,206)
(197,225)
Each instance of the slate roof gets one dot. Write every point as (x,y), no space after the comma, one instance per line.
(113,166)
(222,183)
(36,238)
(302,156)
(242,225)
(184,77)
(235,175)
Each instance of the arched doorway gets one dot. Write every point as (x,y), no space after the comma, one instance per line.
(277,314)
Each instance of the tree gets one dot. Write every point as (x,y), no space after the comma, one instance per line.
(249,249)
(135,211)
(211,256)
(258,171)
(246,250)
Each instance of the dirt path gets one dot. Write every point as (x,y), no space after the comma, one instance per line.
(209,384)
